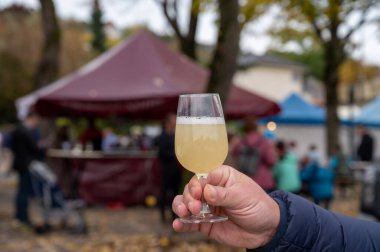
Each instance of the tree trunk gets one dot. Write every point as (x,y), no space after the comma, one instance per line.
(334,56)
(48,67)
(332,120)
(188,42)
(223,64)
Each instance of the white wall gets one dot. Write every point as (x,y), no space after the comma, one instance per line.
(304,136)
(275,83)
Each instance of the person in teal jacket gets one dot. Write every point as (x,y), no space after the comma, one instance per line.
(286,171)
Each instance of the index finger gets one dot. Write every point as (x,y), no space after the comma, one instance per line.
(195,188)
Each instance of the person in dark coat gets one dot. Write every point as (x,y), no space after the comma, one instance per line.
(366,146)
(171,171)
(279,221)
(320,183)
(25,150)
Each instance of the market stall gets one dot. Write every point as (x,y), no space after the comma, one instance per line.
(119,177)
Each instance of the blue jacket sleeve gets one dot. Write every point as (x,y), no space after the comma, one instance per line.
(305,226)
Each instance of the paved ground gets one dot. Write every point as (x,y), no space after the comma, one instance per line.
(130,229)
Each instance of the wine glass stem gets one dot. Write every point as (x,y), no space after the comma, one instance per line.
(202,177)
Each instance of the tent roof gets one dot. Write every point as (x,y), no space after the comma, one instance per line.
(295,110)
(139,78)
(249,59)
(369,114)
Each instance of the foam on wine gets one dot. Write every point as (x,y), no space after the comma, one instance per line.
(199,120)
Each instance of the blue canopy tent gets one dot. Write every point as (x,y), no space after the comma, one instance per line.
(295,110)
(370,114)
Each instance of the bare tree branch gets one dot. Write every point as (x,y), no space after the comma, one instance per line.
(172,19)
(253,9)
(311,15)
(317,29)
(362,21)
(186,38)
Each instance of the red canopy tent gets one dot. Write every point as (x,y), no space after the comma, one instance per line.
(141,78)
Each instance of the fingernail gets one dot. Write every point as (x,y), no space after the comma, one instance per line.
(212,192)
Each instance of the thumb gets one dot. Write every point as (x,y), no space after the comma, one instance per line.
(217,196)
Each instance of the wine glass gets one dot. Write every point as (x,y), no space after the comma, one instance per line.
(201,143)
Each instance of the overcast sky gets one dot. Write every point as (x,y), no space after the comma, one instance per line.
(132,12)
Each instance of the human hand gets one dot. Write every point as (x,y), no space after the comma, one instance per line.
(253,216)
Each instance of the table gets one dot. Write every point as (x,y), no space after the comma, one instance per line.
(126,177)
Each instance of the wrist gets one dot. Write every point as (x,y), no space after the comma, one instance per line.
(282,225)
(268,236)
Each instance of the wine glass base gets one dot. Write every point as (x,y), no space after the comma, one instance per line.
(203,218)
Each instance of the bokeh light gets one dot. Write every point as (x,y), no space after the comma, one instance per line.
(271,126)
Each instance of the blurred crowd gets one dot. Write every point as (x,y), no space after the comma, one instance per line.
(92,138)
(103,139)
(272,163)
(279,167)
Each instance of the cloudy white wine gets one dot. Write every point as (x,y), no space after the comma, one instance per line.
(201,143)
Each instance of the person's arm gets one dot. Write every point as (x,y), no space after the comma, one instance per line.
(305,226)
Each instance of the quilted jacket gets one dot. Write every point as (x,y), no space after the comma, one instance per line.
(305,226)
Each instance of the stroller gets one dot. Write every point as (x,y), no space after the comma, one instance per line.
(53,204)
